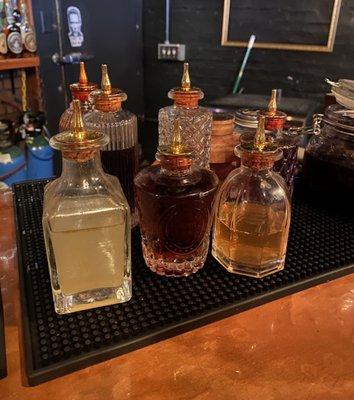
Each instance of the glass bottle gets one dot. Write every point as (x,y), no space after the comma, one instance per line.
(195,121)
(253,212)
(16,13)
(27,31)
(86,224)
(328,166)
(175,202)
(120,156)
(287,141)
(3,25)
(13,33)
(79,91)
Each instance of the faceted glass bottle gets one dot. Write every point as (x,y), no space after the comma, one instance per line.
(195,121)
(86,225)
(120,156)
(252,217)
(175,202)
(79,91)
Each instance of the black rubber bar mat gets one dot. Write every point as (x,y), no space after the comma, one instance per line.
(321,248)
(3,369)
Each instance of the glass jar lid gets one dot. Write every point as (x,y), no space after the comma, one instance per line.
(340,118)
(247,117)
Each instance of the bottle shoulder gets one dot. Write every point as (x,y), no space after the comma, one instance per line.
(99,117)
(244,184)
(181,111)
(152,180)
(106,191)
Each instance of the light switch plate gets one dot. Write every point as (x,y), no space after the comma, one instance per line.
(171,52)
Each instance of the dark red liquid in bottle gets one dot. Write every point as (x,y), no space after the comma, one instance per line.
(122,164)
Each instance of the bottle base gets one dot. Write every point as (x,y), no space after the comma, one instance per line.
(65,304)
(173,269)
(254,271)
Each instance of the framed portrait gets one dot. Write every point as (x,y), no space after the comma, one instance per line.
(302,25)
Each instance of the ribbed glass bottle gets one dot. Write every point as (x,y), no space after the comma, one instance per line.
(120,156)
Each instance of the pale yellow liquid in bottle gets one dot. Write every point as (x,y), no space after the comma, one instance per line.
(250,235)
(88,245)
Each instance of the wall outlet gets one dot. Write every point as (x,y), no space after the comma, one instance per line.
(171,52)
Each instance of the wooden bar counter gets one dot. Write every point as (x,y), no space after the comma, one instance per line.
(300,347)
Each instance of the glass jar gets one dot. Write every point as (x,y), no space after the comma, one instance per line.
(120,156)
(175,201)
(252,216)
(328,166)
(86,225)
(79,91)
(222,156)
(246,121)
(195,121)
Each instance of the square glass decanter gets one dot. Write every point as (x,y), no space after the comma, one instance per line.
(86,224)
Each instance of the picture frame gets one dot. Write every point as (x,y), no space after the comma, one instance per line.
(328,47)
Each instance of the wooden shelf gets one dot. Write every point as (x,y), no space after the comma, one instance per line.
(18,63)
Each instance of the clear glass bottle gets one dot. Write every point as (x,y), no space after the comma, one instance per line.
(86,224)
(3,25)
(120,156)
(27,31)
(195,121)
(252,216)
(13,33)
(79,91)
(175,202)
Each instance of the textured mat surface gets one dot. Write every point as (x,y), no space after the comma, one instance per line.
(321,247)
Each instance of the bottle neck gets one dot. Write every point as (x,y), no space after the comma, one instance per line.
(257,162)
(82,171)
(175,166)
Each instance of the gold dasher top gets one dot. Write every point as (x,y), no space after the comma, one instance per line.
(186,95)
(108,99)
(81,90)
(78,143)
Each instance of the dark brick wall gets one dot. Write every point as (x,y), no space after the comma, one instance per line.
(197,23)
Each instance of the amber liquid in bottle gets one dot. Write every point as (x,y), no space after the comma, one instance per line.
(251,234)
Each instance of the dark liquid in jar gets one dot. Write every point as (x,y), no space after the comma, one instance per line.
(330,179)
(122,164)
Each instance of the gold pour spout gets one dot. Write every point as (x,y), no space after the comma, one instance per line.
(176,145)
(77,124)
(272,106)
(260,137)
(83,76)
(186,80)
(105,82)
